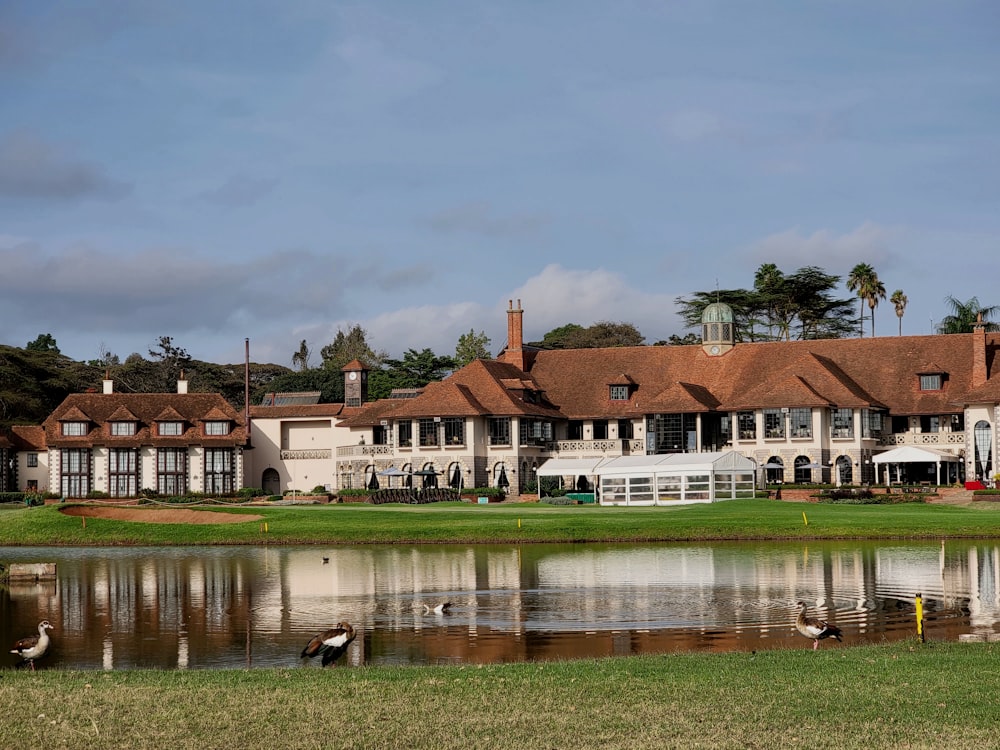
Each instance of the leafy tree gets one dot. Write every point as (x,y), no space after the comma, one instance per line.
(965,315)
(865,281)
(600,335)
(330,384)
(34,382)
(300,359)
(899,300)
(349,346)
(417,369)
(44,343)
(471,346)
(689,339)
(105,359)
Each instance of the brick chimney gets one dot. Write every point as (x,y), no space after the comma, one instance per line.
(979,373)
(514,353)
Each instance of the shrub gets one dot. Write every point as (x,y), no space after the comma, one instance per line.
(248,492)
(562,500)
(98,495)
(13,497)
(319,489)
(482,492)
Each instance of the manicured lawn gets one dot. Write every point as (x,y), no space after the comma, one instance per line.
(906,695)
(496,523)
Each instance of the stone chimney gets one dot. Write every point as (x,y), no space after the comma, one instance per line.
(109,384)
(514,354)
(979,373)
(182,384)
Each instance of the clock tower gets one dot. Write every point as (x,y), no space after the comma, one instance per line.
(355,383)
(718,331)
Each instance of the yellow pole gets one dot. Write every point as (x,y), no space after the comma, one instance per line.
(920,617)
(804,519)
(518,523)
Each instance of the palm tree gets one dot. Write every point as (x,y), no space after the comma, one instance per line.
(899,300)
(965,315)
(865,282)
(300,358)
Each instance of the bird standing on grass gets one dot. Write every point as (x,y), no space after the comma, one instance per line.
(813,627)
(331,644)
(34,646)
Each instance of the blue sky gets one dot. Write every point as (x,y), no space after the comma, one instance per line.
(279,169)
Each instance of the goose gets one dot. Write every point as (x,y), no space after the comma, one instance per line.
(438,609)
(34,646)
(330,643)
(813,627)
(326,560)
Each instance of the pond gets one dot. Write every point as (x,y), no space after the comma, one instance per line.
(235,607)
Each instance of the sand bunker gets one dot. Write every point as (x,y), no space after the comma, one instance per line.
(158,515)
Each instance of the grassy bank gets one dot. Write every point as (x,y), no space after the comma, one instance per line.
(463,523)
(901,695)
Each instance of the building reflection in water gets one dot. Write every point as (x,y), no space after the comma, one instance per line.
(238,607)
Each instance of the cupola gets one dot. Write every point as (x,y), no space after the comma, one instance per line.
(718,334)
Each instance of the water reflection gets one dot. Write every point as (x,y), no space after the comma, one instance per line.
(235,607)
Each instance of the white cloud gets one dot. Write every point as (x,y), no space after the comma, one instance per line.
(790,249)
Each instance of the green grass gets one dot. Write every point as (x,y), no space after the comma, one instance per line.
(517,523)
(906,695)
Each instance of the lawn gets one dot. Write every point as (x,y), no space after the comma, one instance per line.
(516,523)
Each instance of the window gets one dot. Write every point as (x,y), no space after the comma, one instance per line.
(170,428)
(217,428)
(842,423)
(171,471)
(428,432)
(871,424)
(800,421)
(122,428)
(31,461)
(74,472)
(74,429)
(625,429)
(535,431)
(619,393)
(747,423)
(600,429)
(930,423)
(574,430)
(380,435)
(774,423)
(671,433)
(123,471)
(454,431)
(219,474)
(930,382)
(499,430)
(404,434)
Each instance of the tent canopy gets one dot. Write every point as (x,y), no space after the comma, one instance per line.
(908,454)
(559,467)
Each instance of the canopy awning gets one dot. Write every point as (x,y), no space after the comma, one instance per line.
(564,467)
(908,454)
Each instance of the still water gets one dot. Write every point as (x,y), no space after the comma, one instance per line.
(234,607)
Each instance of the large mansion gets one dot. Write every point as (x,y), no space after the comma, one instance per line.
(825,410)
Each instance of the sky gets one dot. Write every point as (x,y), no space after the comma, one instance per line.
(280,170)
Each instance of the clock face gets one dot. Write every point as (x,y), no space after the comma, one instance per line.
(352,376)
(714,350)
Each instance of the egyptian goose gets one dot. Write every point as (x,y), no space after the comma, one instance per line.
(439,609)
(813,627)
(330,643)
(34,646)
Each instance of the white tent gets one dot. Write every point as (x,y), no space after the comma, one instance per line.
(675,478)
(565,467)
(907,454)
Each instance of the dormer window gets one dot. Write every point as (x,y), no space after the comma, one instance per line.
(122,429)
(170,429)
(74,429)
(930,382)
(219,427)
(619,393)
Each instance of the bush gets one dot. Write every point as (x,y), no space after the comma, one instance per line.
(12,497)
(98,495)
(319,489)
(353,493)
(248,492)
(562,500)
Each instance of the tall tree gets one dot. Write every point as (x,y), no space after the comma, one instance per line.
(349,346)
(300,359)
(417,369)
(965,315)
(471,346)
(44,343)
(865,282)
(602,334)
(899,300)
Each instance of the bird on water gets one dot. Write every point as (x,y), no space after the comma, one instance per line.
(438,609)
(815,628)
(330,644)
(34,646)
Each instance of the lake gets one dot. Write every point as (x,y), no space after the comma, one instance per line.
(236,607)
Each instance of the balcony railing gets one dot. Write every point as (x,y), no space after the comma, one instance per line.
(923,438)
(625,447)
(315,453)
(364,450)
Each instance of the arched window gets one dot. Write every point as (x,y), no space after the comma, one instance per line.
(774,470)
(802,474)
(983,435)
(271,482)
(845,470)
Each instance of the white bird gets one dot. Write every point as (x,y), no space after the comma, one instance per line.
(330,643)
(34,646)
(812,627)
(439,609)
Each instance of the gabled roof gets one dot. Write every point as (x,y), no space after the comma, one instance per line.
(681,398)
(28,437)
(122,414)
(169,414)
(74,414)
